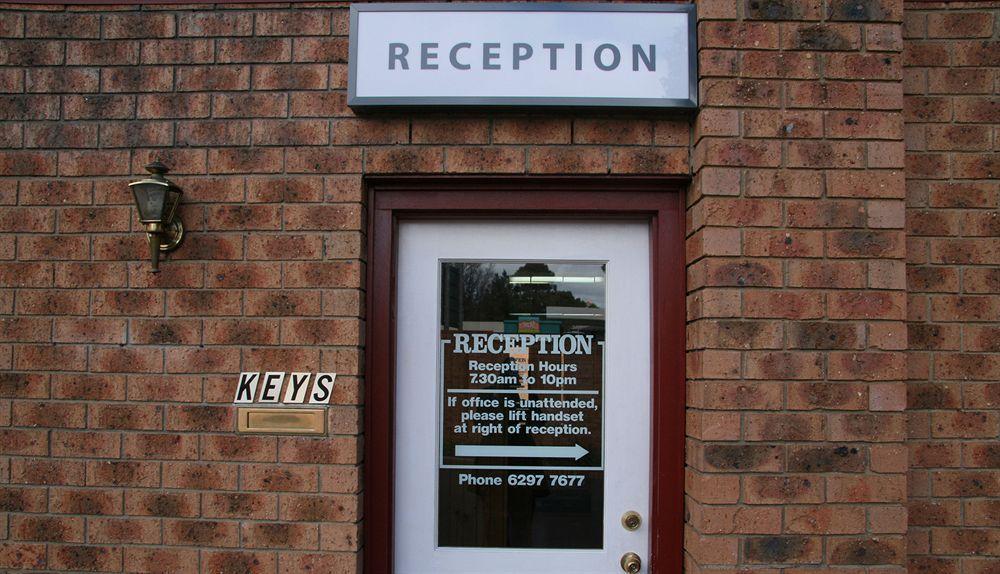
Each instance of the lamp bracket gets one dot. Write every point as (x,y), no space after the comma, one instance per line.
(172,235)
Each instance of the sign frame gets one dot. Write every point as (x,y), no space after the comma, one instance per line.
(511,102)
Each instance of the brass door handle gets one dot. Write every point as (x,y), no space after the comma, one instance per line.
(631,563)
(631,520)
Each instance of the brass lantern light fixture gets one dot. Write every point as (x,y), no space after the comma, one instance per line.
(157,198)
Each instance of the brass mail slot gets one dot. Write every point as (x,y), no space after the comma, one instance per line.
(282,421)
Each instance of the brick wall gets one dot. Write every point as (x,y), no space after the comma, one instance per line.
(797,298)
(953,224)
(117,442)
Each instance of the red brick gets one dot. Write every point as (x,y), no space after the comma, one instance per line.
(27,163)
(173,106)
(178,52)
(26,330)
(485,160)
(22,555)
(57,25)
(747,35)
(531,131)
(290,77)
(741,92)
(11,81)
(156,503)
(348,160)
(62,80)
(291,132)
(204,533)
(851,11)
(254,50)
(161,446)
(824,95)
(781,65)
(869,550)
(282,303)
(138,25)
(870,488)
(201,476)
(320,104)
(285,189)
(100,53)
(339,537)
(782,489)
(649,161)
(298,561)
(975,483)
(18,499)
(49,415)
(326,274)
(827,395)
(783,304)
(203,302)
(870,125)
(239,448)
(215,24)
(123,473)
(159,560)
(960,25)
(280,478)
(824,519)
(323,217)
(333,450)
(766,243)
(93,558)
(320,50)
(281,535)
(718,62)
(965,424)
(319,508)
(981,513)
(46,528)
(123,530)
(865,243)
(864,66)
(85,501)
(450,131)
(240,505)
(239,561)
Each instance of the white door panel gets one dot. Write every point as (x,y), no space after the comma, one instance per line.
(592,279)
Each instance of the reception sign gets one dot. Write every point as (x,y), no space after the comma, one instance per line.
(521,405)
(523,55)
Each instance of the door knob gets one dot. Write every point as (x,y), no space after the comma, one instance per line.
(631,563)
(631,520)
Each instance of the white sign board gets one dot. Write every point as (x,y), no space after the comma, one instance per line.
(274,387)
(523,54)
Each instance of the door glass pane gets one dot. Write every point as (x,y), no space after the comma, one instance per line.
(521,404)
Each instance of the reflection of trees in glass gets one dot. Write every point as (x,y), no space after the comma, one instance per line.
(488,294)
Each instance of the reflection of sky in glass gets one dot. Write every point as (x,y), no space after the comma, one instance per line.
(590,292)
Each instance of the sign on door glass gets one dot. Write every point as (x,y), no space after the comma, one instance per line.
(521,411)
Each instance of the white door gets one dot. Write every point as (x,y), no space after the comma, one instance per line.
(522,396)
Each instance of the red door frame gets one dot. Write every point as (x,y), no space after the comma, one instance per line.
(658,200)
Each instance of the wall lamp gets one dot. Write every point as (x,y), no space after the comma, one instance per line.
(156,198)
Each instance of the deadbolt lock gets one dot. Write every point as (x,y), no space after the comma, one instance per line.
(631,520)
(631,563)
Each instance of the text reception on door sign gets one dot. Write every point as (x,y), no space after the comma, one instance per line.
(521,411)
(544,54)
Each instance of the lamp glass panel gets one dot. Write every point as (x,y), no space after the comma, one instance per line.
(150,199)
(173,200)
